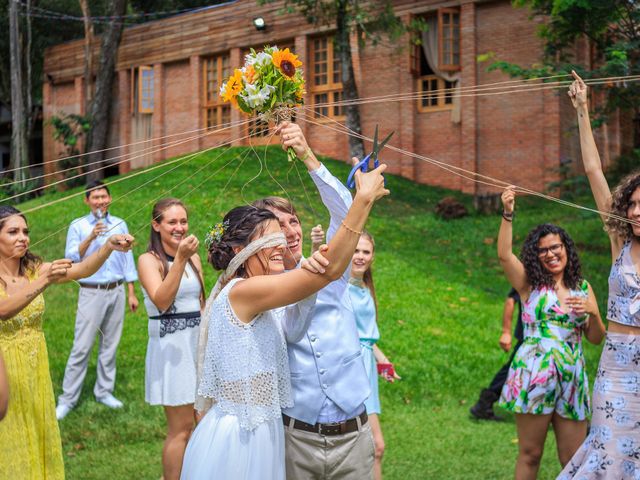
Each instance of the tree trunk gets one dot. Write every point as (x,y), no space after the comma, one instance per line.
(88,56)
(19,102)
(350,90)
(101,107)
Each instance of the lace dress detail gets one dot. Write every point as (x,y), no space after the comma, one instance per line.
(246,368)
(29,434)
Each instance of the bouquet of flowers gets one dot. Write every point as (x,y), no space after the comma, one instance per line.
(269,84)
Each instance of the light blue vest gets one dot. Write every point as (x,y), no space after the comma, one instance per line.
(328,359)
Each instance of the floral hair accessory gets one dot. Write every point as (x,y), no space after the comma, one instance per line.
(215,233)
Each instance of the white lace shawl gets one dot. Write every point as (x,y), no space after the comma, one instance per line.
(246,369)
(202,403)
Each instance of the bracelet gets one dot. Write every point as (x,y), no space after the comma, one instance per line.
(351,229)
(507,216)
(306,154)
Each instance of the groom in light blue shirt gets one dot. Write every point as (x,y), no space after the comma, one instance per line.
(327,431)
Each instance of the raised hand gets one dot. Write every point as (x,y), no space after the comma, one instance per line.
(370,185)
(291,136)
(577,91)
(57,270)
(509,199)
(188,247)
(121,242)
(317,237)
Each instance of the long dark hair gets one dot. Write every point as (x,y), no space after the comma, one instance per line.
(537,275)
(241,226)
(28,262)
(155,242)
(620,204)
(367,278)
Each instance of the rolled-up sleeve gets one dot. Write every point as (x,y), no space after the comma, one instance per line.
(72,248)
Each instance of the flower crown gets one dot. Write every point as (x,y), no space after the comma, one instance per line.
(215,233)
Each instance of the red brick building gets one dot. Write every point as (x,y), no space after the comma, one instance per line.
(169,72)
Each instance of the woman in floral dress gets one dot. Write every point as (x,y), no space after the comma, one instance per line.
(547,382)
(612,449)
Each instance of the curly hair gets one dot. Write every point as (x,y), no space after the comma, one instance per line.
(243,224)
(620,203)
(28,262)
(537,275)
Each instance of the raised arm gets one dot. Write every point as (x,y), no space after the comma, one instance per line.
(264,292)
(162,291)
(91,264)
(590,156)
(512,266)
(48,273)
(335,196)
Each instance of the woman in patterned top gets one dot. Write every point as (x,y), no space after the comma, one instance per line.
(547,381)
(612,449)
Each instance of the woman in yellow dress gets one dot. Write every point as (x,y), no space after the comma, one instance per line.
(29,435)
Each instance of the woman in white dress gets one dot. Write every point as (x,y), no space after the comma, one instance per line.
(171,277)
(245,366)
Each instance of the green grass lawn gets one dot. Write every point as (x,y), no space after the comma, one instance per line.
(440,290)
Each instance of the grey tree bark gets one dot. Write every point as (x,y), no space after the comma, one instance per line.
(101,108)
(350,89)
(20,96)
(88,55)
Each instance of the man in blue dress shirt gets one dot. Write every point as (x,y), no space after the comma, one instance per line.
(101,301)
(327,432)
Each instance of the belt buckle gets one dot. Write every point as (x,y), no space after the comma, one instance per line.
(330,428)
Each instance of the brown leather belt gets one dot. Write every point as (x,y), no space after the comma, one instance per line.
(329,429)
(102,286)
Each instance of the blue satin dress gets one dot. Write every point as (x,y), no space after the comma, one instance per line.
(365,312)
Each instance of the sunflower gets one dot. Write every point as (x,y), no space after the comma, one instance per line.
(233,87)
(287,62)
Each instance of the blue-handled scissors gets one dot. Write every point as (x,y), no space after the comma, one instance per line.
(363,165)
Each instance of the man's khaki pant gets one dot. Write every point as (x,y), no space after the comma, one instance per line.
(311,456)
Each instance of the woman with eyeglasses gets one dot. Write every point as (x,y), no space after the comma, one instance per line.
(547,381)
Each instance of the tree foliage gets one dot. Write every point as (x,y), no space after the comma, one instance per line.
(49,30)
(611,27)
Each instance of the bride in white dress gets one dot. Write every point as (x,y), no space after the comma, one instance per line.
(245,368)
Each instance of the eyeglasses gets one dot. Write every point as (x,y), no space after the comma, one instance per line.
(554,249)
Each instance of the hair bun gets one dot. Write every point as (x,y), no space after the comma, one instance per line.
(220,254)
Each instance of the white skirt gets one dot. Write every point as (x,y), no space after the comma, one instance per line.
(220,449)
(170,366)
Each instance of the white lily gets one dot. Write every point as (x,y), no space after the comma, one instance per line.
(255,98)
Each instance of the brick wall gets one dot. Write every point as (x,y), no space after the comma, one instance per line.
(520,138)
